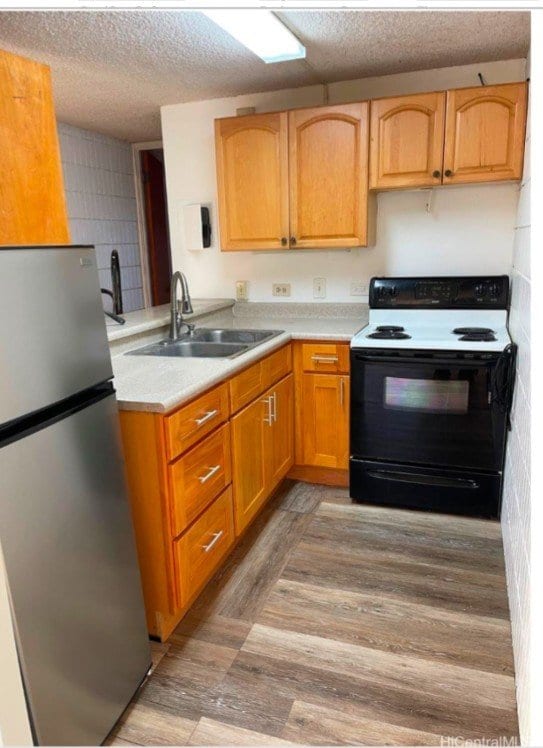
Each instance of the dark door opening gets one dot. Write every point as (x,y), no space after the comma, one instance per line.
(156,221)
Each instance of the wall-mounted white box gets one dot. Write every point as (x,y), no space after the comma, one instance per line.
(193,228)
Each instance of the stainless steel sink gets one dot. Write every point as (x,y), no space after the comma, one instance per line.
(207,343)
(248,337)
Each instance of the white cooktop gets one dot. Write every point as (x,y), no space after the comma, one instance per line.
(432,329)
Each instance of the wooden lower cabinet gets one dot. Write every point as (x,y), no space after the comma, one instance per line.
(199,551)
(325,417)
(249,444)
(281,444)
(199,475)
(262,449)
(322,386)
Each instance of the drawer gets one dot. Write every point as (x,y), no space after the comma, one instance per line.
(199,476)
(200,550)
(252,382)
(277,365)
(247,385)
(190,423)
(326,358)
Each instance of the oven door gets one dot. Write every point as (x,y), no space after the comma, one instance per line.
(425,409)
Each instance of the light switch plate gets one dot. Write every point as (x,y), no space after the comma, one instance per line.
(242,290)
(319,288)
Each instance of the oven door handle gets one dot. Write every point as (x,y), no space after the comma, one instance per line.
(429,480)
(453,361)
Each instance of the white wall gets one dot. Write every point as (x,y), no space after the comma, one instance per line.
(516,496)
(468,229)
(101,203)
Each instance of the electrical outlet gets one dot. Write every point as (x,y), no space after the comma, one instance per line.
(319,288)
(359,288)
(281,289)
(242,290)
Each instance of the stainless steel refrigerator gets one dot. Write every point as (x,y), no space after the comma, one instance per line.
(65,526)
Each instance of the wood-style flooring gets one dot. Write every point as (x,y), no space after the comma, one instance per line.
(334,623)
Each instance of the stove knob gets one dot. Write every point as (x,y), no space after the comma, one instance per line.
(494,289)
(479,289)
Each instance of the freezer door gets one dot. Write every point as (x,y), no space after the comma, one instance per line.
(68,544)
(52,331)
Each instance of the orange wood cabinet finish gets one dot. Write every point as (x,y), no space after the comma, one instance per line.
(251,382)
(200,550)
(262,449)
(328,148)
(406,141)
(198,476)
(252,179)
(322,390)
(180,468)
(32,202)
(193,421)
(296,179)
(448,137)
(484,134)
(325,358)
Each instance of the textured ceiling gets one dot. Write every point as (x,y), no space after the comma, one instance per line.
(112,70)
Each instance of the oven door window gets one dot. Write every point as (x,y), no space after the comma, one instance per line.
(426,395)
(425,413)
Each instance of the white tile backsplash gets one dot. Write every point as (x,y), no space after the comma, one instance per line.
(516,494)
(100,196)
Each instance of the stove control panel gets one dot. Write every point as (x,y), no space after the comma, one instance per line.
(458,292)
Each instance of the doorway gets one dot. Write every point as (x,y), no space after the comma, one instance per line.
(155,209)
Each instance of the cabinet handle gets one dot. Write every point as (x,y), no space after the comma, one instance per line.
(448,173)
(269,418)
(324,359)
(216,537)
(208,475)
(274,414)
(293,240)
(341,391)
(208,416)
(284,241)
(436,174)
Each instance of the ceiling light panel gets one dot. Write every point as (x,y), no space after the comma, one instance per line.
(261,32)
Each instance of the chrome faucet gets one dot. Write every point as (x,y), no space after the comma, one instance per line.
(176,315)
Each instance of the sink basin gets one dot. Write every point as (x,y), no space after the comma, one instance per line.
(207,343)
(248,337)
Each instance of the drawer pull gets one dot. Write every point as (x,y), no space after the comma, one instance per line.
(209,474)
(216,537)
(269,418)
(325,359)
(208,416)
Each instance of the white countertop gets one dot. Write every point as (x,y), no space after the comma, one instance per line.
(149,319)
(160,383)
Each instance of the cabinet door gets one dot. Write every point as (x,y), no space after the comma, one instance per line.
(406,142)
(252,181)
(328,149)
(250,473)
(32,204)
(281,450)
(484,136)
(325,420)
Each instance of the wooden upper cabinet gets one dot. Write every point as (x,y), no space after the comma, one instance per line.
(252,180)
(32,202)
(484,136)
(328,162)
(406,142)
